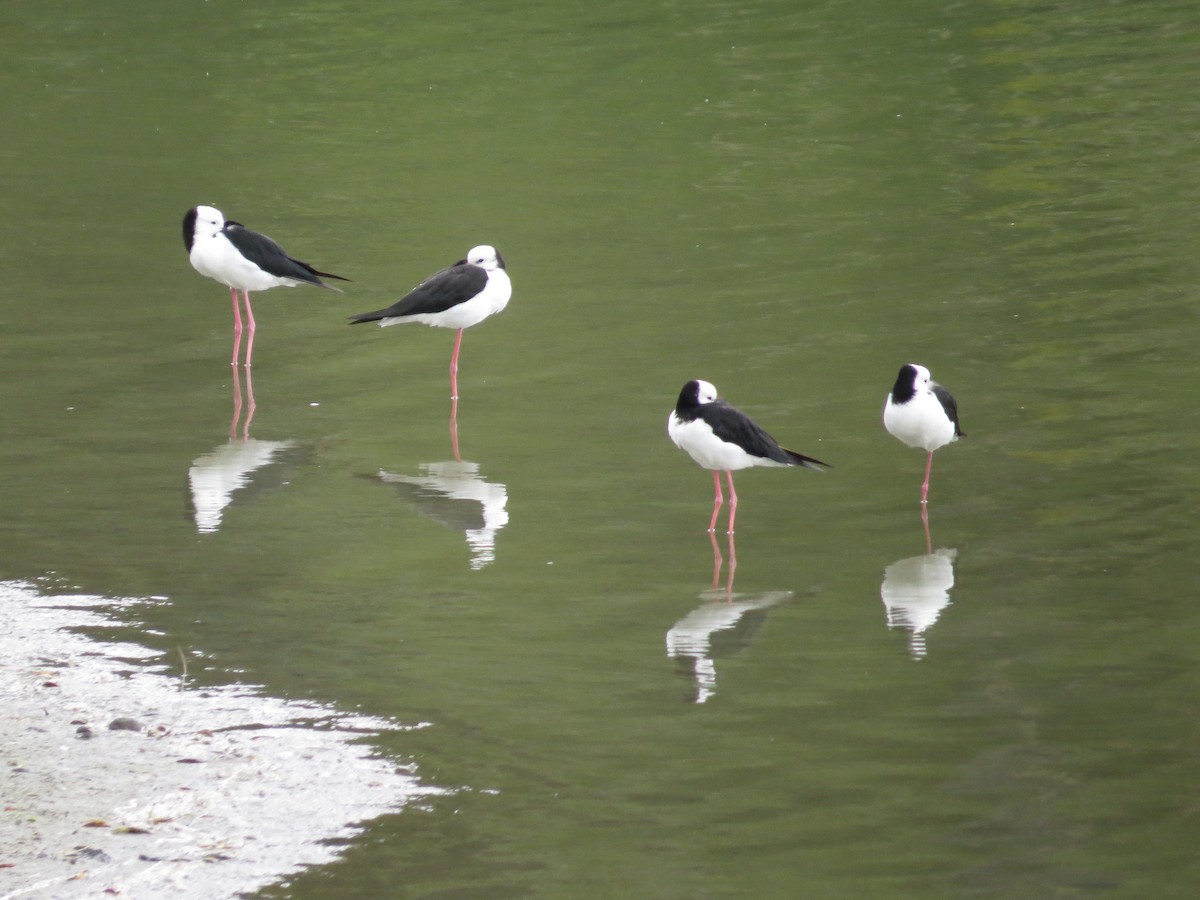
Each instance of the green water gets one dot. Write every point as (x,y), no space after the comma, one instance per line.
(787,200)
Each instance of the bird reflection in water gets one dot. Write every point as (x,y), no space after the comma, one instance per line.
(456,495)
(215,476)
(916,590)
(722,626)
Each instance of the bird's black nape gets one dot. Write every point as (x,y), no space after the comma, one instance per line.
(189,229)
(906,384)
(689,397)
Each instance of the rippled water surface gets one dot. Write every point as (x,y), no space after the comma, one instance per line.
(788,201)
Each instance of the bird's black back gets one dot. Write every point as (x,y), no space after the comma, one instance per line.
(733,426)
(439,292)
(270,257)
(949,404)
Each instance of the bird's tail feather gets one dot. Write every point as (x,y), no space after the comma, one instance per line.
(808,462)
(317,275)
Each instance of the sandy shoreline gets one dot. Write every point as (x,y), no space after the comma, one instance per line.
(219,791)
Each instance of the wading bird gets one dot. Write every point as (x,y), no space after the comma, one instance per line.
(722,438)
(921,413)
(244,260)
(458,296)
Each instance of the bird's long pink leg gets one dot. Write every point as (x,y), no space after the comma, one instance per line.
(250,337)
(717,500)
(732,500)
(454,366)
(925,486)
(237,327)
(454,428)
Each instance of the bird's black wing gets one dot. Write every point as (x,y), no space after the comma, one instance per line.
(270,257)
(448,288)
(950,405)
(732,425)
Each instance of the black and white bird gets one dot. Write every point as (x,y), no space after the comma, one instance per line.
(723,438)
(458,296)
(241,259)
(921,413)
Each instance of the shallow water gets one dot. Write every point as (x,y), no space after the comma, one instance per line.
(790,203)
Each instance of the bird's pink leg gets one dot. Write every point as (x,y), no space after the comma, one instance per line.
(454,366)
(250,337)
(925,522)
(454,428)
(717,500)
(237,327)
(732,501)
(925,486)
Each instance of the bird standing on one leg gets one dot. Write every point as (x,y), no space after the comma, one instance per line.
(722,438)
(241,259)
(921,413)
(458,296)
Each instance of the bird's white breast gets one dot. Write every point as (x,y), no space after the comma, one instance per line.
(921,422)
